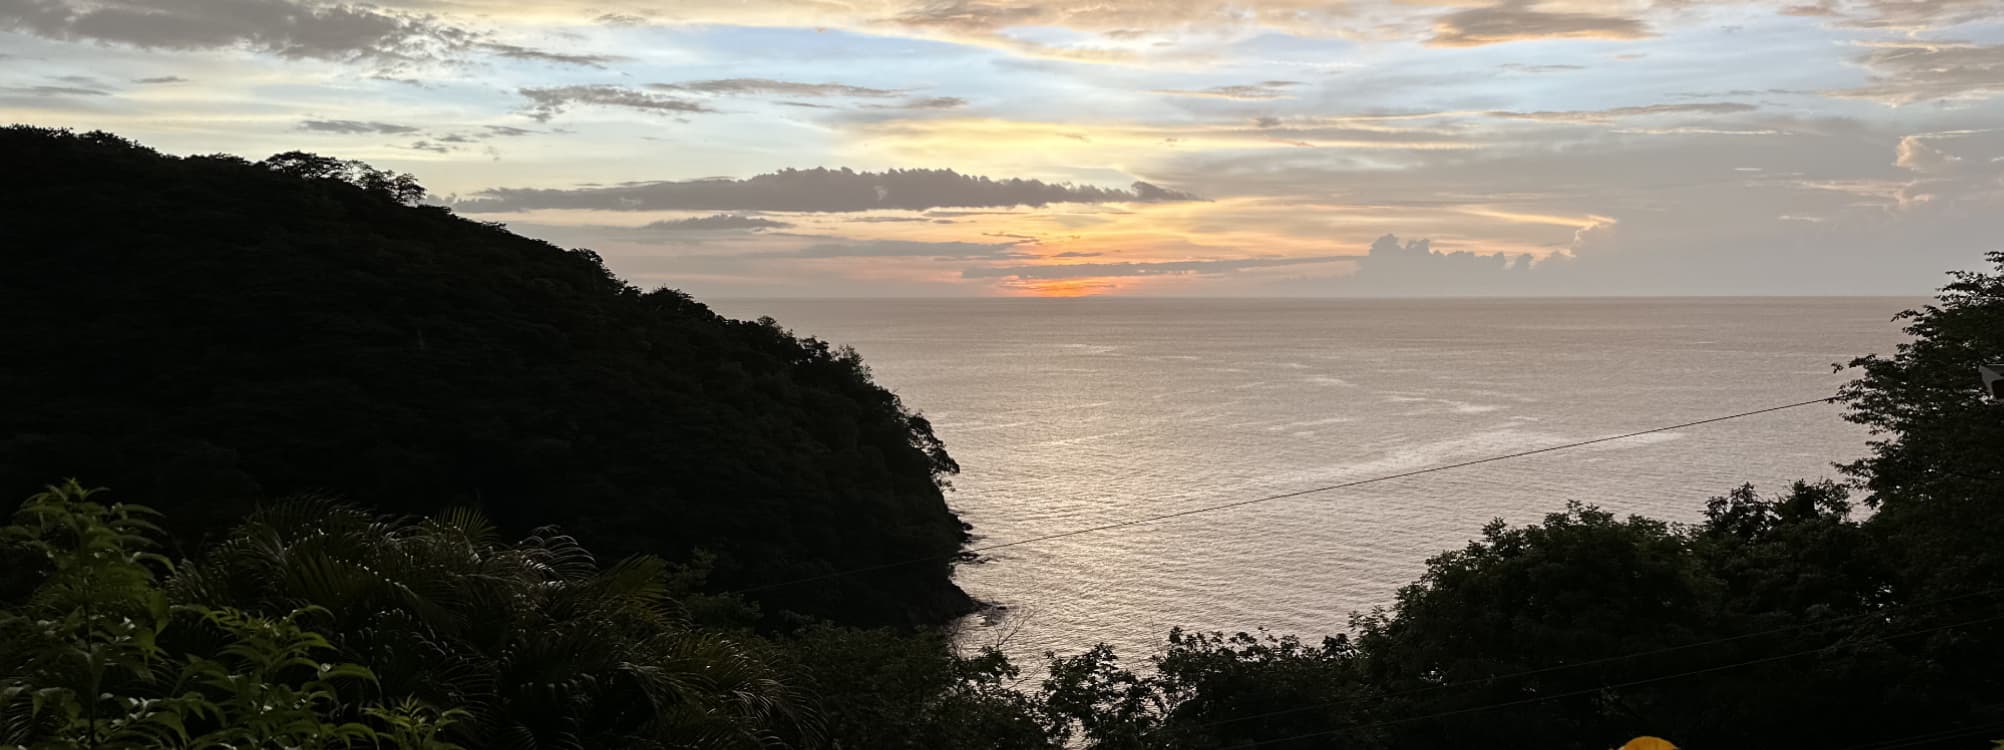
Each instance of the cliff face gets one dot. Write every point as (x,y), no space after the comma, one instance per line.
(206,333)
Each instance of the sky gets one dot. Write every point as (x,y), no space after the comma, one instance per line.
(948,148)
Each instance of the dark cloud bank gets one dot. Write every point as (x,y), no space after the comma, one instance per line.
(716,223)
(287,29)
(817,190)
(295,29)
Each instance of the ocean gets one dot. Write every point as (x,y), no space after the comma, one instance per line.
(1066,414)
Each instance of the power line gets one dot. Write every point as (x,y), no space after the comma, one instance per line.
(1923,738)
(1598,661)
(1615,686)
(1146,520)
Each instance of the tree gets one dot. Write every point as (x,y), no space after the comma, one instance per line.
(1582,586)
(303,332)
(1210,690)
(1936,477)
(402,188)
(1935,471)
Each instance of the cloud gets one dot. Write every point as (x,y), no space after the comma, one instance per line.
(1523,68)
(1147,193)
(1392,268)
(1822,9)
(971,15)
(930,102)
(1907,72)
(518,52)
(716,222)
(768,86)
(1690,130)
(620,19)
(506,131)
(1098,32)
(295,29)
(1158,268)
(355,127)
(1958,166)
(1604,116)
(160,80)
(817,190)
(57,91)
(548,102)
(1905,15)
(1739,92)
(999,140)
(742,86)
(1518,20)
(912,249)
(279,27)
(1247,91)
(1118,20)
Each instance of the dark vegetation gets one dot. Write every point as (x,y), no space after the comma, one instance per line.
(207,333)
(1868,613)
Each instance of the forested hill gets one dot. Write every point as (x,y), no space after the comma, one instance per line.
(208,333)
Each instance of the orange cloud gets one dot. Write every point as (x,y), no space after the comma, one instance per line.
(1517,20)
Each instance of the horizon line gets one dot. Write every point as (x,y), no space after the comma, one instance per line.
(1350,298)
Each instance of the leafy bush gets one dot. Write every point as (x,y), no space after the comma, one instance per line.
(98,656)
(316,625)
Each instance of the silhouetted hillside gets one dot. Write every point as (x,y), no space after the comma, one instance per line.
(206,333)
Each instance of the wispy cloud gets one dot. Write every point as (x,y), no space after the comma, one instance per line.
(912,249)
(518,52)
(1908,15)
(929,102)
(353,127)
(740,86)
(550,101)
(1535,69)
(715,223)
(1247,91)
(1520,20)
(1906,72)
(56,91)
(1603,116)
(818,190)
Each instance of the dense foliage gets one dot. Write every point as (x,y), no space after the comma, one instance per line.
(208,333)
(100,655)
(318,625)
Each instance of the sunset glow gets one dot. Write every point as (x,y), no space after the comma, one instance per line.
(1194,147)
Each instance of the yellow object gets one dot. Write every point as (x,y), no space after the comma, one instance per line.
(1648,743)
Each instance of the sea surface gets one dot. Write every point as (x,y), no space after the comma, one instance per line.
(1067,414)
